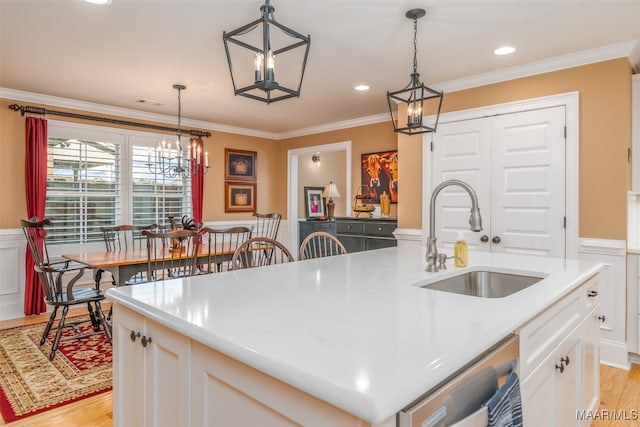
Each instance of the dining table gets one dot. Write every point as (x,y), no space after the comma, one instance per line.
(125,264)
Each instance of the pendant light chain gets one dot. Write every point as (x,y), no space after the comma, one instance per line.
(179,111)
(415,45)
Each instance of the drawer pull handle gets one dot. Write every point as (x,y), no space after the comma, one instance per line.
(379,228)
(134,335)
(348,227)
(565,360)
(602,318)
(592,294)
(560,367)
(145,341)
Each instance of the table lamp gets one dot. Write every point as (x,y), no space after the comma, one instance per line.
(330,190)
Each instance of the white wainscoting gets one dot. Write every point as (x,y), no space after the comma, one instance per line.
(12,259)
(12,254)
(409,236)
(613,297)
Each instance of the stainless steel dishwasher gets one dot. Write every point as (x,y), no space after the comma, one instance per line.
(465,392)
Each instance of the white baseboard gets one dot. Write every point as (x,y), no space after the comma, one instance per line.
(614,354)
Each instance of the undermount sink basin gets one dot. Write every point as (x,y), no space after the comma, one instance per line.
(484,284)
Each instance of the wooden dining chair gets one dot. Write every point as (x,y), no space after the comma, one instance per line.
(321,244)
(57,294)
(124,238)
(259,252)
(267,225)
(171,254)
(219,245)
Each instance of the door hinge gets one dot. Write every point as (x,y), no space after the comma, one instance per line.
(565,132)
(564,222)
(431,145)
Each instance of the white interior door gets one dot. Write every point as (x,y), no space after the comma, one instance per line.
(462,150)
(528,183)
(516,164)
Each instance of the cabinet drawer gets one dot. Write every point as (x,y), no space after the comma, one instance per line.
(379,228)
(542,334)
(350,227)
(326,226)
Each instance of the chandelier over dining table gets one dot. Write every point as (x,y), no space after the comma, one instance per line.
(179,160)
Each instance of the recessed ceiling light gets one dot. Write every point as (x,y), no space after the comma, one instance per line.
(504,50)
(99,1)
(362,88)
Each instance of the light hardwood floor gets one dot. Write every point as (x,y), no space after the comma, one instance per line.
(619,391)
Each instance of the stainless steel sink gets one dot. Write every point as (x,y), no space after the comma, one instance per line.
(485,284)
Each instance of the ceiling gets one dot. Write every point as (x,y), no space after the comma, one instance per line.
(133,50)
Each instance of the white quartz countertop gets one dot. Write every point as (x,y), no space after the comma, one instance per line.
(352,330)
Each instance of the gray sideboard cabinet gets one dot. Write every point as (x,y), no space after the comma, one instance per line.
(363,234)
(307,227)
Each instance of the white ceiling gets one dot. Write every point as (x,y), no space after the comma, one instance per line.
(118,54)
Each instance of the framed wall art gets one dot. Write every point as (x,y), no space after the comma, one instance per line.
(380,174)
(239,197)
(240,165)
(313,202)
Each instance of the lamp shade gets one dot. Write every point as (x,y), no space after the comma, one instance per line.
(330,190)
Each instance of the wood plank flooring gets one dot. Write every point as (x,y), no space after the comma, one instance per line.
(619,391)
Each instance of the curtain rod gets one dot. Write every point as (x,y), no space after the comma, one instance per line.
(37,110)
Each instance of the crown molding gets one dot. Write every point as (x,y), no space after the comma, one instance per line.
(627,49)
(345,124)
(59,102)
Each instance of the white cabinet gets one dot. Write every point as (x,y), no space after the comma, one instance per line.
(150,372)
(560,360)
(516,164)
(175,381)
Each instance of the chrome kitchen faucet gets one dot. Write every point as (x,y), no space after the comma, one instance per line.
(475,220)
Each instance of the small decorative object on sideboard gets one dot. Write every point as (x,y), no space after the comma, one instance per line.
(362,206)
(330,191)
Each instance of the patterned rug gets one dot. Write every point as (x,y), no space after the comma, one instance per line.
(30,383)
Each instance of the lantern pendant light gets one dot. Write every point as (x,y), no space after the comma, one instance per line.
(414,95)
(272,43)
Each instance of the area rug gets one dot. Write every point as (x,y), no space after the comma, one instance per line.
(30,383)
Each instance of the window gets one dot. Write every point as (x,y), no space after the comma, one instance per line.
(99,177)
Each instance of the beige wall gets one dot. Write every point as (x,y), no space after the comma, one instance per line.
(332,168)
(271,172)
(605,136)
(364,139)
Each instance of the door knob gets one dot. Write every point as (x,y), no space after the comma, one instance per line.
(484,238)
(495,239)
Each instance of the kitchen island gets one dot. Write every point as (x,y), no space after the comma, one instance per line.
(354,334)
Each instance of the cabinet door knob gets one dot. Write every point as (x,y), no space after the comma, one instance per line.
(565,360)
(592,294)
(134,335)
(145,340)
(602,318)
(496,239)
(560,367)
(484,238)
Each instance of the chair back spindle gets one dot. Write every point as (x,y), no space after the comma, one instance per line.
(267,225)
(171,254)
(321,244)
(220,244)
(260,252)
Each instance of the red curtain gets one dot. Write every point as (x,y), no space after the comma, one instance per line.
(197,183)
(35,166)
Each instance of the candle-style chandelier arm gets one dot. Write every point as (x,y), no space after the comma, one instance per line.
(196,162)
